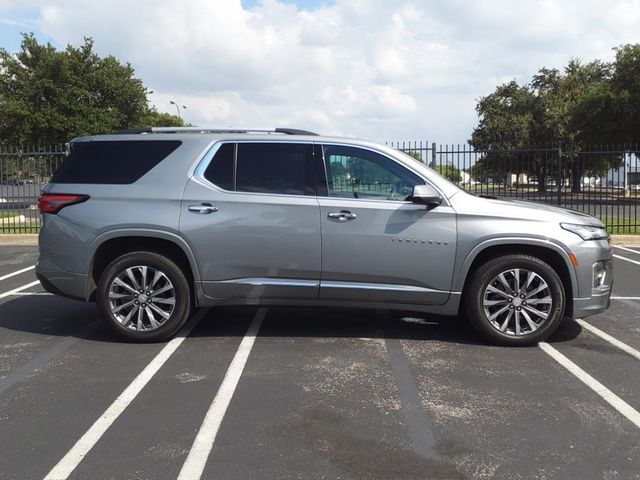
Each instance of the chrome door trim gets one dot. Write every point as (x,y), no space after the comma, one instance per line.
(276,282)
(377,286)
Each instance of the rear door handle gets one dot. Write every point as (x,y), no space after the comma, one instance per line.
(342,215)
(203,209)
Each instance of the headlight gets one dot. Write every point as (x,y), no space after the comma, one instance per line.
(586,232)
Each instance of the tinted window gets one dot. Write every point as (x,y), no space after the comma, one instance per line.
(357,173)
(220,169)
(112,162)
(275,168)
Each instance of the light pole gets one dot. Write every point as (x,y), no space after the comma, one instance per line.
(178,107)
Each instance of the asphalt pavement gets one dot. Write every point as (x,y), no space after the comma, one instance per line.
(293,393)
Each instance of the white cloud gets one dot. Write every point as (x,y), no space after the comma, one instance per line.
(381,69)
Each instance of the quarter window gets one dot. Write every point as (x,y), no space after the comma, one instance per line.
(357,173)
(113,162)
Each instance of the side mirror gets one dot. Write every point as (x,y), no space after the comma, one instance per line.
(426,195)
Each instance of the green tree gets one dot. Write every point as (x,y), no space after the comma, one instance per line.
(48,96)
(555,109)
(153,118)
(610,111)
(508,120)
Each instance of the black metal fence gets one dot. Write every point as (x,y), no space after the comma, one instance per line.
(23,173)
(603,181)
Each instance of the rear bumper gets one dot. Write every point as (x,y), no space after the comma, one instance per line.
(60,282)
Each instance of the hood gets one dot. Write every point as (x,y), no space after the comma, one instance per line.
(509,208)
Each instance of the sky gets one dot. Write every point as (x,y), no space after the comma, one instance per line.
(385,70)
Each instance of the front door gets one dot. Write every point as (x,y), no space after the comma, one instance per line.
(378,246)
(252,219)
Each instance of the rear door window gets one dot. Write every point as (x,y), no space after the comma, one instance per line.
(275,168)
(112,162)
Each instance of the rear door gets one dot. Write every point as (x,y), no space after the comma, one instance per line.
(378,246)
(252,218)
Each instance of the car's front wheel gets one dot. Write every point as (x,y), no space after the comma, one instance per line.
(515,300)
(144,297)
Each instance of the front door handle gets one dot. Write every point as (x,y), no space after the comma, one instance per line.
(342,215)
(203,209)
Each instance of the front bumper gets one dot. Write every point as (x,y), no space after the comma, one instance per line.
(595,296)
(584,307)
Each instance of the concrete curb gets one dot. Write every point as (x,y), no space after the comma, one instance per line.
(626,240)
(19,239)
(32,239)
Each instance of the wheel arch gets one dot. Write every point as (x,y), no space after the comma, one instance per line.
(549,252)
(110,246)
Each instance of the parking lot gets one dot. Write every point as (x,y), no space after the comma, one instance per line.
(283,393)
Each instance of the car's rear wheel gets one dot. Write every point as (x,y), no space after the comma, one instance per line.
(515,300)
(144,297)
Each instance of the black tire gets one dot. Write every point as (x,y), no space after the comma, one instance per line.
(180,292)
(476,309)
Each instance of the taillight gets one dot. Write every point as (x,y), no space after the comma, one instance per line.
(54,202)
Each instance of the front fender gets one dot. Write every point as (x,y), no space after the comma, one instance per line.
(464,268)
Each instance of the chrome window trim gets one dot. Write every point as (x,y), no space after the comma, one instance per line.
(203,163)
(199,177)
(200,158)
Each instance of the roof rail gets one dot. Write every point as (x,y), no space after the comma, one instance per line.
(131,130)
(285,131)
(294,131)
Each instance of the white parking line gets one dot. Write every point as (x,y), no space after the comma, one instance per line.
(626,259)
(73,458)
(637,252)
(625,298)
(13,274)
(19,289)
(611,398)
(196,460)
(605,336)
(23,294)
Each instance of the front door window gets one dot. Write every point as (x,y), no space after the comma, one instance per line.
(363,174)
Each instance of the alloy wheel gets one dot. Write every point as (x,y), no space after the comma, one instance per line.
(517,302)
(142,298)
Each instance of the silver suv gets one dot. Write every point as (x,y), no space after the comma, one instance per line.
(153,223)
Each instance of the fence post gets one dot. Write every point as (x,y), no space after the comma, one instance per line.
(433,155)
(625,184)
(559,175)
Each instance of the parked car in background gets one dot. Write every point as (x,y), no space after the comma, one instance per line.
(153,223)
